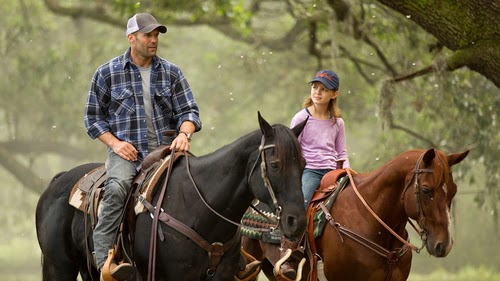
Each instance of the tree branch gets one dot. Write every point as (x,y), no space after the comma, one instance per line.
(415,74)
(39,147)
(22,173)
(394,126)
(385,104)
(86,10)
(469,28)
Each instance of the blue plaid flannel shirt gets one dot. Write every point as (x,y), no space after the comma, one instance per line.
(115,104)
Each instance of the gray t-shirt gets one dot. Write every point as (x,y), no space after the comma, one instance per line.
(148,106)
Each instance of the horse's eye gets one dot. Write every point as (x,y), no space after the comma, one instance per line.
(427,192)
(275,164)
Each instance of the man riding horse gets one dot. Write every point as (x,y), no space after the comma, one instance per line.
(134,100)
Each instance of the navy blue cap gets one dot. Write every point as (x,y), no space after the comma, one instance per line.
(329,78)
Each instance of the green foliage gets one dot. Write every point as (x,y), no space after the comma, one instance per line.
(49,61)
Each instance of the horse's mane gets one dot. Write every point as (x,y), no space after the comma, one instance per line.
(409,155)
(412,156)
(287,147)
(445,172)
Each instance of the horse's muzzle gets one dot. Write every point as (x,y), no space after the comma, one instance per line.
(293,226)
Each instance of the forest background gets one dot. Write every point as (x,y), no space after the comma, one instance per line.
(414,74)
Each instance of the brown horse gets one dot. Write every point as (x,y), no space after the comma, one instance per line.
(366,238)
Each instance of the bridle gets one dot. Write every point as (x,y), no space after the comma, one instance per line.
(217,249)
(391,256)
(418,202)
(263,174)
(422,232)
(267,184)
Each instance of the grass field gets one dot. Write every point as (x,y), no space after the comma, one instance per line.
(32,273)
(20,261)
(466,274)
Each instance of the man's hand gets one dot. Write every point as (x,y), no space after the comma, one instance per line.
(180,143)
(122,148)
(125,150)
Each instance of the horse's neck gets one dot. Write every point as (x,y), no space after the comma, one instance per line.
(226,173)
(383,189)
(231,160)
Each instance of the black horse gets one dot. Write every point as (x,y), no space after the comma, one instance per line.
(208,194)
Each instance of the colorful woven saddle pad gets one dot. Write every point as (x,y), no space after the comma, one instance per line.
(252,219)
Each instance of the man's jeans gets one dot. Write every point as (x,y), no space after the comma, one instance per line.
(311,180)
(120,174)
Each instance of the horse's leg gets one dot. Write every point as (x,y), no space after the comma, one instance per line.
(401,269)
(85,274)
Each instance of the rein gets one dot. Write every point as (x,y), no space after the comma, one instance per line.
(366,242)
(422,233)
(267,183)
(215,250)
(392,256)
(154,226)
(377,217)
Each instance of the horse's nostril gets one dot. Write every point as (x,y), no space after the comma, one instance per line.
(291,222)
(439,249)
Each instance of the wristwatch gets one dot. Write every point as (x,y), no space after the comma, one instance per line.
(188,135)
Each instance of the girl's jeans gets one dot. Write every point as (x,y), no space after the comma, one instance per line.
(311,180)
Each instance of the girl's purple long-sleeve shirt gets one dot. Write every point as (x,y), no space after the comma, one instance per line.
(323,141)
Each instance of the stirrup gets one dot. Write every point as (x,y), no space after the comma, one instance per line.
(252,268)
(249,273)
(288,271)
(277,267)
(121,271)
(115,272)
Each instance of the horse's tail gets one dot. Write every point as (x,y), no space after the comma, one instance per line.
(45,270)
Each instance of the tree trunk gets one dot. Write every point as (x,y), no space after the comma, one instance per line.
(470,28)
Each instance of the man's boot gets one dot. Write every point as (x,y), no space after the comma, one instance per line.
(289,267)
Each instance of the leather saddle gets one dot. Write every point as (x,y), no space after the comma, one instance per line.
(87,193)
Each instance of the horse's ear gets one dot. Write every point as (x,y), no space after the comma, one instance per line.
(265,128)
(429,156)
(297,129)
(457,157)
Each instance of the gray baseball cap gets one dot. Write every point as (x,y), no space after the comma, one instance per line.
(144,23)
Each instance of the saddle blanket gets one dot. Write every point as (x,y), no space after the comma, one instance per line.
(252,219)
